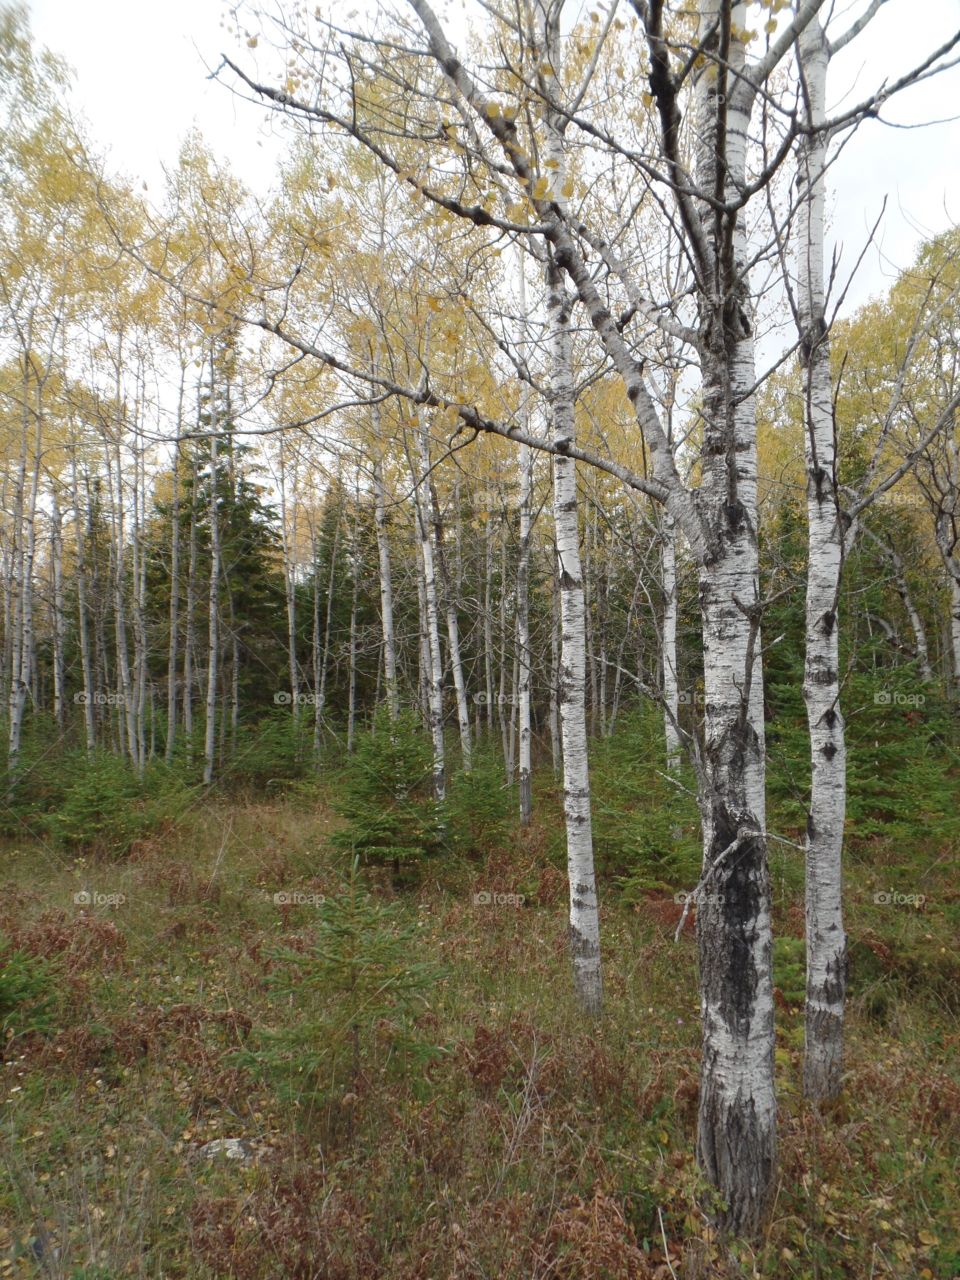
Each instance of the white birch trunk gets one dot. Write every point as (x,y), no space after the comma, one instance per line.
(955,627)
(668,641)
(190,610)
(174,617)
(488,617)
(320,701)
(524,654)
(354,596)
(434,668)
(737,1134)
(288,534)
(83,615)
(17,692)
(553,711)
(584,907)
(386,577)
(59,621)
(453,626)
(826,940)
(213,598)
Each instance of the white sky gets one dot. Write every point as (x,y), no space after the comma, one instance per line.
(141,80)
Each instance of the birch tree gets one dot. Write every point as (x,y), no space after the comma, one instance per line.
(707,96)
(827,528)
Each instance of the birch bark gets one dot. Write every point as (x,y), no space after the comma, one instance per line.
(825,936)
(584,906)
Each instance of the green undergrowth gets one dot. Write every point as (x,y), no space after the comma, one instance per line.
(418,1094)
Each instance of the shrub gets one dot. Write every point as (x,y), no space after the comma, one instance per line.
(479,807)
(107,805)
(645,827)
(386,796)
(273,752)
(356,985)
(27,990)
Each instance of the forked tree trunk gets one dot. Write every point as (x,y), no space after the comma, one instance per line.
(737,1129)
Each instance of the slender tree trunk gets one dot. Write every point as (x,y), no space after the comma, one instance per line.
(315,637)
(488,616)
(83,614)
(213,631)
(59,621)
(826,940)
(354,596)
(288,526)
(434,669)
(502,695)
(955,627)
(588,617)
(920,643)
(453,627)
(174,618)
(737,1130)
(189,638)
(139,599)
(424,661)
(584,906)
(524,655)
(321,699)
(947,546)
(523,595)
(386,577)
(17,693)
(668,641)
(556,750)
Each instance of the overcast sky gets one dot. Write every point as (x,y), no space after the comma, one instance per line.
(141,81)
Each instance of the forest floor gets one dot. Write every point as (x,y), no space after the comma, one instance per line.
(530,1145)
